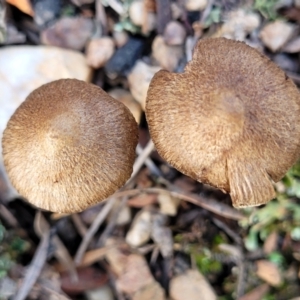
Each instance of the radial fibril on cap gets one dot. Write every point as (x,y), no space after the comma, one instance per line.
(69,146)
(230,120)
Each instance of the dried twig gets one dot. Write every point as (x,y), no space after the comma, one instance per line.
(149,163)
(36,264)
(6,215)
(93,228)
(209,204)
(236,238)
(142,158)
(81,228)
(61,252)
(111,225)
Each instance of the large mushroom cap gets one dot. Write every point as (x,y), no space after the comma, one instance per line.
(230,120)
(69,146)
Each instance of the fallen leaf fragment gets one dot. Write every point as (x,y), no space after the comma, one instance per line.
(152,291)
(22,5)
(136,275)
(88,278)
(257,293)
(268,272)
(191,285)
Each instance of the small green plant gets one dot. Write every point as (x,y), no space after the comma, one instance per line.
(11,247)
(267,8)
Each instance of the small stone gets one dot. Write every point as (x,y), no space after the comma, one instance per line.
(286,62)
(191,285)
(167,56)
(276,34)
(174,33)
(193,5)
(140,230)
(168,205)
(124,215)
(293,46)
(103,293)
(127,99)
(120,38)
(238,24)
(152,291)
(137,12)
(46,11)
(162,236)
(99,51)
(139,79)
(268,272)
(69,32)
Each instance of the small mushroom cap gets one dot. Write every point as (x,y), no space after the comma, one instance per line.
(69,146)
(230,120)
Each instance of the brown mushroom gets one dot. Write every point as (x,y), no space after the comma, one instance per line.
(231,120)
(69,146)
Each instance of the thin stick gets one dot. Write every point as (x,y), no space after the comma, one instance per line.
(209,204)
(93,228)
(142,158)
(149,163)
(36,265)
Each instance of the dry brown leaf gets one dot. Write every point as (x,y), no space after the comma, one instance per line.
(268,272)
(191,285)
(257,293)
(142,200)
(92,256)
(23,5)
(136,275)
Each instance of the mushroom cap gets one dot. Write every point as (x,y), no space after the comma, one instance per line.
(231,120)
(69,146)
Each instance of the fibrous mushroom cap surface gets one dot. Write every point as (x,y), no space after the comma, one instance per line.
(231,120)
(69,146)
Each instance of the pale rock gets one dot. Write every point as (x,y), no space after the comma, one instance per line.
(25,68)
(99,51)
(127,99)
(293,46)
(124,214)
(238,24)
(152,291)
(191,285)
(167,56)
(140,230)
(276,34)
(139,79)
(120,38)
(193,5)
(176,10)
(268,272)
(149,23)
(137,12)
(168,205)
(69,32)
(162,236)
(174,33)
(103,293)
